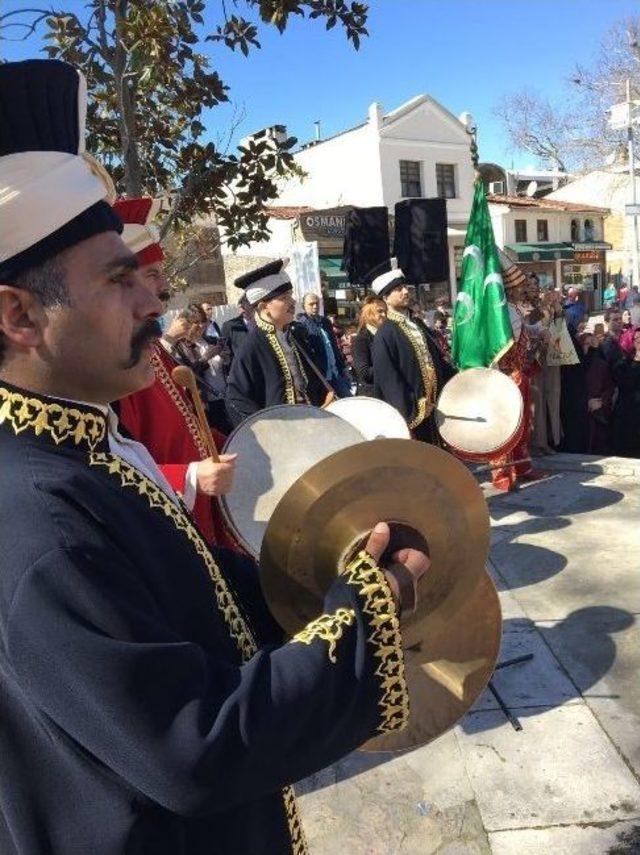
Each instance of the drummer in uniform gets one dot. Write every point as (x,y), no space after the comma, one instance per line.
(517,364)
(408,368)
(272,366)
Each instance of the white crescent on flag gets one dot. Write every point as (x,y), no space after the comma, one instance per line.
(468,308)
(476,253)
(495,279)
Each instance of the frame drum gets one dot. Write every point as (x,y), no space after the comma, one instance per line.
(480,414)
(374,419)
(275,447)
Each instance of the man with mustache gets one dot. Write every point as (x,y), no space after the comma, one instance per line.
(162,416)
(273,365)
(148,701)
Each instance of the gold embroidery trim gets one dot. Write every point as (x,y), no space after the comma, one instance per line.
(59,422)
(238,627)
(377,604)
(425,403)
(298,840)
(174,393)
(157,498)
(327,627)
(272,338)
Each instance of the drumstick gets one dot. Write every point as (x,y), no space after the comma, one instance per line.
(184,376)
(331,395)
(490,466)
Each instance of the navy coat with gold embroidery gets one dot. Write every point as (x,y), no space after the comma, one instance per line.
(260,377)
(147,702)
(398,378)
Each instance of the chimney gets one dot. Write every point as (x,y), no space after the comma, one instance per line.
(274,132)
(375,116)
(317,127)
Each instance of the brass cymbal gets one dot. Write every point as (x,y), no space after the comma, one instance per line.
(451,642)
(331,509)
(446,674)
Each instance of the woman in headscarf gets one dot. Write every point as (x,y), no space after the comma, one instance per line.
(626,415)
(600,388)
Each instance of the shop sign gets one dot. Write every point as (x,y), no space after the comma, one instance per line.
(328,223)
(588,256)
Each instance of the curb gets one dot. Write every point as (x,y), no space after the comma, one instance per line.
(594,464)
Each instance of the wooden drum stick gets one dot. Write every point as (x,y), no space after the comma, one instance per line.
(184,376)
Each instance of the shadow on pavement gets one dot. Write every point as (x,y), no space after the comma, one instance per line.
(547,506)
(552,497)
(582,642)
(587,634)
(523,565)
(598,623)
(628,842)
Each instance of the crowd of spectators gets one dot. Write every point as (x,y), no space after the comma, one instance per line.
(586,374)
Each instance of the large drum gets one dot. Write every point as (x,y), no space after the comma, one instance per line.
(275,447)
(480,414)
(374,419)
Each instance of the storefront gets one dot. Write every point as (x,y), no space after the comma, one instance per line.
(327,227)
(341,299)
(566,265)
(587,272)
(543,259)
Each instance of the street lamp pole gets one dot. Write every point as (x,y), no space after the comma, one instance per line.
(632,175)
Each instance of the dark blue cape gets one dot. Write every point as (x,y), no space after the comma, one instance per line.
(148,703)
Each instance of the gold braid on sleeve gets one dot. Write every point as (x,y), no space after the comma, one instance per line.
(378,606)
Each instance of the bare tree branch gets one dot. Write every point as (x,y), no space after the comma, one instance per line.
(31,27)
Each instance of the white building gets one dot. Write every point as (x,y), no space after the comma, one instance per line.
(521,182)
(561,242)
(418,150)
(612,188)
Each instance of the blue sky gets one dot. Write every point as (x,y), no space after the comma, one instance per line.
(465,53)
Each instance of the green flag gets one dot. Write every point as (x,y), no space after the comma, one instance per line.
(481,325)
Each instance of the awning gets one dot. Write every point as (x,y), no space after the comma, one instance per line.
(540,251)
(597,245)
(330,267)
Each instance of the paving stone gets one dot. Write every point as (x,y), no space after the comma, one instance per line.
(612,466)
(540,682)
(416,803)
(554,573)
(566,492)
(622,726)
(560,769)
(604,658)
(621,837)
(564,561)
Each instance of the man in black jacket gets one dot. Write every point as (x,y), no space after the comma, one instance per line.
(274,365)
(148,701)
(408,368)
(235,330)
(610,345)
(324,347)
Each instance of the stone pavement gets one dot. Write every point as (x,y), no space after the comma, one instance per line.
(566,559)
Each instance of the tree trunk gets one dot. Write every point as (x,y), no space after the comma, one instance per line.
(133,179)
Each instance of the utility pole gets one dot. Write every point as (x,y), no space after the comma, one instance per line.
(632,175)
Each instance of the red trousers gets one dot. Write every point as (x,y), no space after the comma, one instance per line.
(507,472)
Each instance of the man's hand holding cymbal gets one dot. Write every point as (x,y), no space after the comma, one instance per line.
(403,576)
